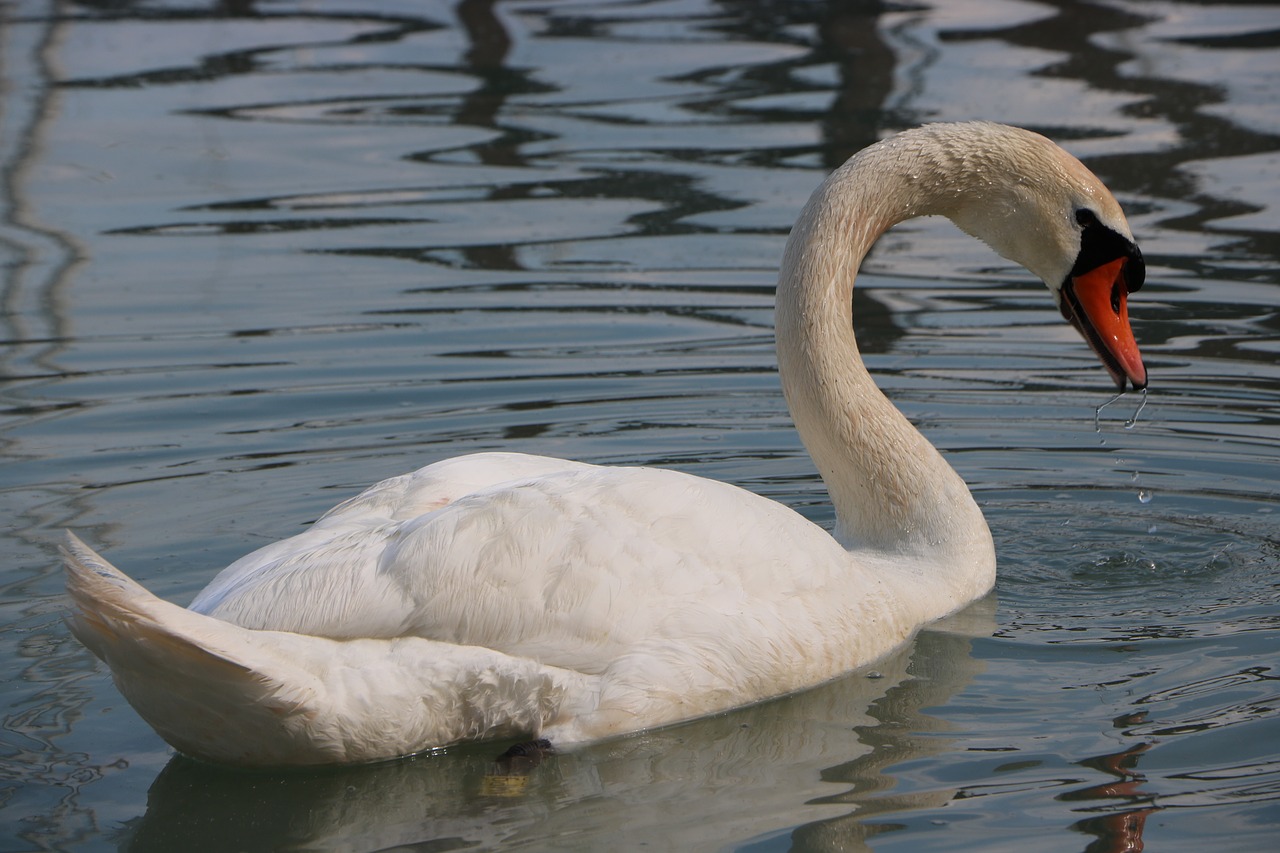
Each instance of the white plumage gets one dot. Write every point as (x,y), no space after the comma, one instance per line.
(505,595)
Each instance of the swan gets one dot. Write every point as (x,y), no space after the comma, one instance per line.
(502,595)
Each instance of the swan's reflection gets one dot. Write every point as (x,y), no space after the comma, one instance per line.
(815,762)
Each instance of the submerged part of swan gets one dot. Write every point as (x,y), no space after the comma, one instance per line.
(505,595)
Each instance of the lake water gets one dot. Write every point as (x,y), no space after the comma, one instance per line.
(256,255)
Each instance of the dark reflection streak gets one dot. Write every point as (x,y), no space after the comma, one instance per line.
(45,256)
(1246,41)
(1116,831)
(32,285)
(490,44)
(236,9)
(848,37)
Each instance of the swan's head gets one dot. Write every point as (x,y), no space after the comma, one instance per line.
(1036,204)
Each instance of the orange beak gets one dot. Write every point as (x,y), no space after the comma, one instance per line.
(1097,304)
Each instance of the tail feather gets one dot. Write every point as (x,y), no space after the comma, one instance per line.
(116,617)
(208,687)
(232,695)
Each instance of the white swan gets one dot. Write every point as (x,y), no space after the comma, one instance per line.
(503,595)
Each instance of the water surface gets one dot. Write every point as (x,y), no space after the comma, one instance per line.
(258,255)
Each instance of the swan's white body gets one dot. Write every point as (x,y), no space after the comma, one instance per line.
(509,595)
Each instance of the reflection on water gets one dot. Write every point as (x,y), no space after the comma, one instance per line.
(1121,805)
(256,255)
(676,789)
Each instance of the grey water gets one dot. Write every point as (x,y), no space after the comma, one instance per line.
(256,255)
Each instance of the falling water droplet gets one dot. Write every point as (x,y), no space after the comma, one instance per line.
(1144,496)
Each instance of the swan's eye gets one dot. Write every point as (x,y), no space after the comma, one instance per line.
(1086,217)
(1100,244)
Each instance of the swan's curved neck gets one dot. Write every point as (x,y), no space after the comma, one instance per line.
(890,487)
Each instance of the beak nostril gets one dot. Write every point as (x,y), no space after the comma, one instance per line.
(1115,298)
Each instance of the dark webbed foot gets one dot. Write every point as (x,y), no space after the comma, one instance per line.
(510,772)
(527,754)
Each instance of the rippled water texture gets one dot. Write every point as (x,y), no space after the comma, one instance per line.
(256,255)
